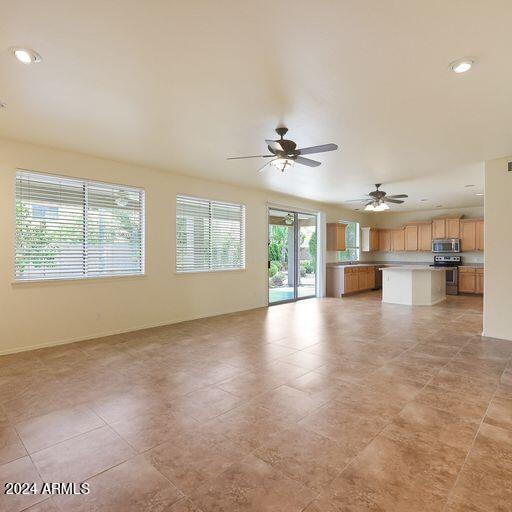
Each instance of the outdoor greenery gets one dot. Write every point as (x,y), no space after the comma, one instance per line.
(278,254)
(278,246)
(40,238)
(351,253)
(33,234)
(313,249)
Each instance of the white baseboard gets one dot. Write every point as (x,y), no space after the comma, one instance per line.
(114,332)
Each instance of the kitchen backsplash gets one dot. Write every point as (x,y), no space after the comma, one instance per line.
(467,257)
(423,257)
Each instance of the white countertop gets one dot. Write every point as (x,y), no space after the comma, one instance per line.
(416,267)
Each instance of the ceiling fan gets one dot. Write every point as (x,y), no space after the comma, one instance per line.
(284,152)
(378,200)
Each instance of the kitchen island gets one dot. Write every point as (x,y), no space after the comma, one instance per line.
(413,285)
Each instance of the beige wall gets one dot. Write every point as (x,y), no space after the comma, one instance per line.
(390,220)
(498,249)
(45,313)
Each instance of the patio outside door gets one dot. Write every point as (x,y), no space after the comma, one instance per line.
(292,255)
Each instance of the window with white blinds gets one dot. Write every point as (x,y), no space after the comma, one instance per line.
(69,228)
(210,235)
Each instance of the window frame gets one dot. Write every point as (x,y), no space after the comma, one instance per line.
(84,182)
(357,247)
(210,201)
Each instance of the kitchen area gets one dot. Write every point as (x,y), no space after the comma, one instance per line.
(416,259)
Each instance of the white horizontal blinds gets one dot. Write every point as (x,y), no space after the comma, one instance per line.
(192,234)
(75,228)
(114,230)
(227,249)
(210,235)
(49,227)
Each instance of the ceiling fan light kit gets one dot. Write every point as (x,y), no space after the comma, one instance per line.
(379,199)
(284,152)
(282,163)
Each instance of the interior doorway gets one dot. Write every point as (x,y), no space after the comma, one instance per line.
(292,255)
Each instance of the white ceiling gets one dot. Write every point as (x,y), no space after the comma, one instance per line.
(182,85)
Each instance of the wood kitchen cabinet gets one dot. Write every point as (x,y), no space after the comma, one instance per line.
(342,280)
(425,236)
(479,281)
(411,237)
(360,278)
(471,280)
(471,235)
(452,228)
(480,235)
(385,240)
(468,235)
(398,239)
(369,239)
(438,228)
(445,227)
(336,236)
(351,281)
(366,278)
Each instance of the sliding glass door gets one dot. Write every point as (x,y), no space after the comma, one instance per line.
(292,255)
(306,254)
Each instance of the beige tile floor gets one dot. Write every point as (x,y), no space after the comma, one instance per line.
(322,405)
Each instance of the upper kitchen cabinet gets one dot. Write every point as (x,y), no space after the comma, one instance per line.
(425,236)
(336,236)
(480,235)
(398,239)
(369,239)
(471,235)
(445,227)
(411,237)
(385,240)
(452,228)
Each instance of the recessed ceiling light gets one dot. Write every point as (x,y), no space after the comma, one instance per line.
(462,65)
(26,55)
(2,104)
(439,206)
(423,199)
(468,186)
(479,194)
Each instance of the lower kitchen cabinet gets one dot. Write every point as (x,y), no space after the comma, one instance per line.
(471,280)
(358,279)
(351,281)
(342,280)
(479,280)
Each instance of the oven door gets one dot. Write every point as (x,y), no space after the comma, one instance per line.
(451,276)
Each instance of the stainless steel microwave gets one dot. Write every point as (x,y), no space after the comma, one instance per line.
(446,245)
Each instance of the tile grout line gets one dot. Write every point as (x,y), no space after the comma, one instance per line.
(470,449)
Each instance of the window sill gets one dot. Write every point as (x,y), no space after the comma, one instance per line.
(191,272)
(75,279)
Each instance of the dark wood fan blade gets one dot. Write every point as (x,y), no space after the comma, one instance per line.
(396,201)
(318,149)
(398,196)
(253,156)
(307,161)
(275,145)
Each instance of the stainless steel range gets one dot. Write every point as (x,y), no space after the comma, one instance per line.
(451,263)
